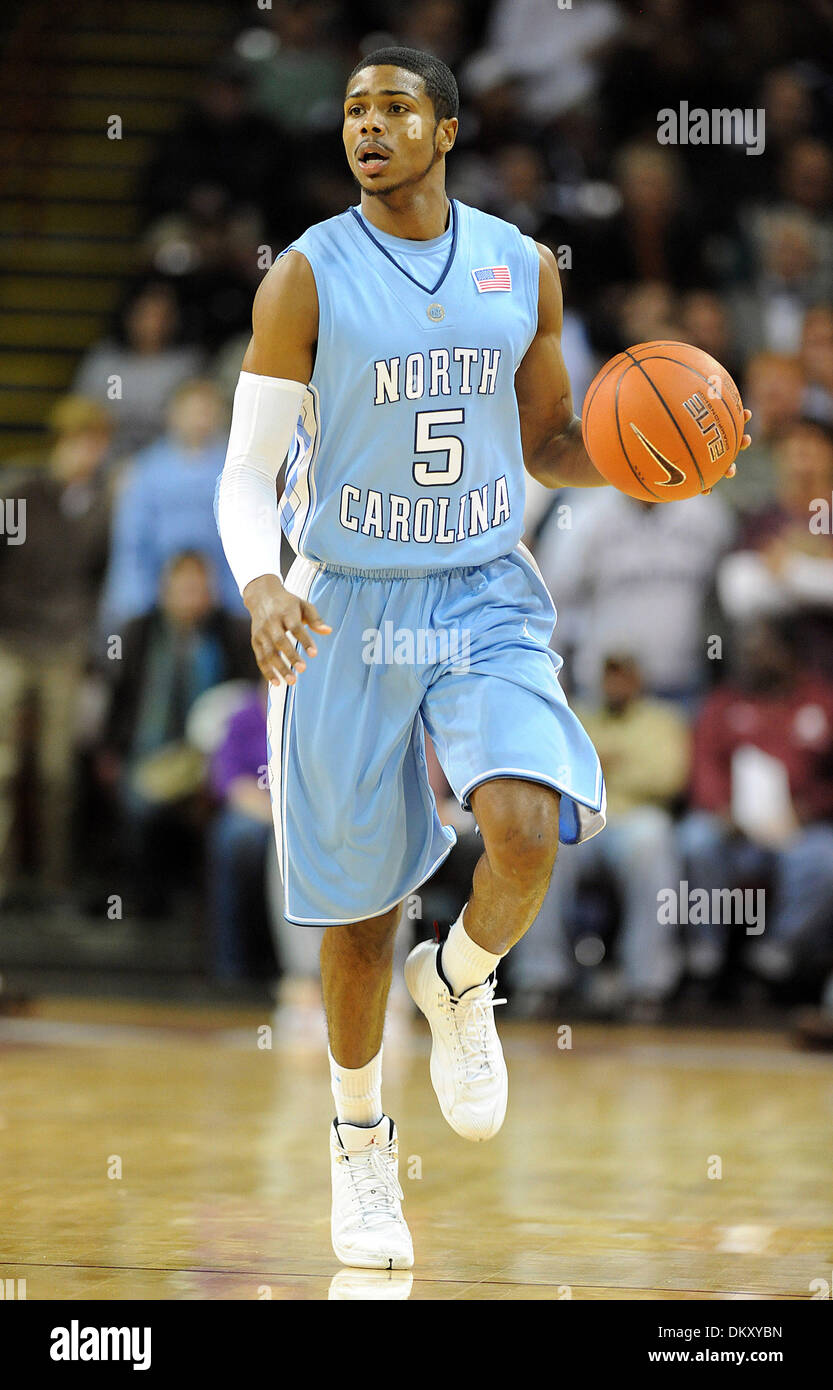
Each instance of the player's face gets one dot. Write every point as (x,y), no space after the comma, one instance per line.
(390,133)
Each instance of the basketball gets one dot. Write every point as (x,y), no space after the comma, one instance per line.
(662,421)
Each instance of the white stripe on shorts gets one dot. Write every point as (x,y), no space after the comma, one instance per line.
(521,549)
(298,581)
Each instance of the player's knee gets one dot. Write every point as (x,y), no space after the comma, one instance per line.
(526,856)
(369,942)
(522,839)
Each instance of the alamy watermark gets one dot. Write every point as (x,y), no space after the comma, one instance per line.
(697,907)
(719,126)
(81,1343)
(821,516)
(423,646)
(13,519)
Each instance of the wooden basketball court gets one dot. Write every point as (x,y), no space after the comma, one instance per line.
(154,1152)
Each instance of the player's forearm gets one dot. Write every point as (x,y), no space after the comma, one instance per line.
(561,460)
(246,508)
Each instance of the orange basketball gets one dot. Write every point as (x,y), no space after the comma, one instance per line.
(662,421)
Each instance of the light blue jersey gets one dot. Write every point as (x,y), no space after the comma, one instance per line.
(404,502)
(407,454)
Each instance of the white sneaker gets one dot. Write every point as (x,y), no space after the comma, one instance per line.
(368,1228)
(468,1072)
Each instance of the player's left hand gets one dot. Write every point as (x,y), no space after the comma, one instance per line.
(744,444)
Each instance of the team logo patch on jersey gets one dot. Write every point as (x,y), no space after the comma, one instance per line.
(492,277)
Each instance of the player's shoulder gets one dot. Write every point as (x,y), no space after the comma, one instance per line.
(328,232)
(489,224)
(288,298)
(493,241)
(318,252)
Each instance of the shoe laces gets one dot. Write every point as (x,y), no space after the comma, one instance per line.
(473,1017)
(374,1184)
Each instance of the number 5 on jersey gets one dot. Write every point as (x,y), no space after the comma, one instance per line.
(426,442)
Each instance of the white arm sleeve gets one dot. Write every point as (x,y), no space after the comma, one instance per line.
(263,420)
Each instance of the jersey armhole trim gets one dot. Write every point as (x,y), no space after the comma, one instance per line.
(532,269)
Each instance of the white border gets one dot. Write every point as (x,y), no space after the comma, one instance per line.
(298,581)
(303,483)
(346,921)
(526,775)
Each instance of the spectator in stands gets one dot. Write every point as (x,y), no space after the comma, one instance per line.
(817,360)
(785,94)
(435,26)
(800,186)
(791,273)
(660,52)
(773,388)
(495,117)
(48,588)
(166,505)
(705,322)
(622,315)
(300,84)
(520,190)
(649,312)
(169,656)
(657,234)
(553,54)
(238,841)
(783,563)
(221,153)
(134,373)
(762,799)
(226,363)
(635,575)
(643,745)
(214,262)
(807,179)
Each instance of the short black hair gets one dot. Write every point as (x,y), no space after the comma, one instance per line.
(436,75)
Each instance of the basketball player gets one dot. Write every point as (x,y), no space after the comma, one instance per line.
(406,355)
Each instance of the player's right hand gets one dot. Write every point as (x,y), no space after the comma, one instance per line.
(279,621)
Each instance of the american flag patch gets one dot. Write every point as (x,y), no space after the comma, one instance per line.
(492,277)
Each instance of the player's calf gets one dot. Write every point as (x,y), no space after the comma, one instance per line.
(468,1071)
(519,822)
(454,986)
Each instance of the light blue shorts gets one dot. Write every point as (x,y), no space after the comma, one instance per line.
(462,653)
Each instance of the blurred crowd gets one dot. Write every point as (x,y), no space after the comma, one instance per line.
(697,637)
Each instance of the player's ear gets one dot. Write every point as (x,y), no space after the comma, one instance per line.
(447,134)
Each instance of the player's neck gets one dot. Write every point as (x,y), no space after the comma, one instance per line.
(415,215)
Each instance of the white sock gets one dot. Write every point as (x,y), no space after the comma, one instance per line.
(463,962)
(357,1091)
